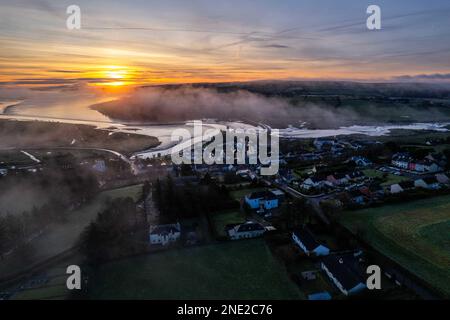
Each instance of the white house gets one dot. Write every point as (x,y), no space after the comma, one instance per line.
(344,271)
(165,234)
(249,229)
(306,241)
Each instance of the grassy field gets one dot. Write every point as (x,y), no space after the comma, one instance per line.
(240,194)
(220,220)
(415,234)
(388,180)
(232,270)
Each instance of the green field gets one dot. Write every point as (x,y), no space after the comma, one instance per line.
(240,194)
(390,179)
(220,220)
(414,234)
(231,270)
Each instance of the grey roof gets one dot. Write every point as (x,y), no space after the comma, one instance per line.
(307,238)
(345,268)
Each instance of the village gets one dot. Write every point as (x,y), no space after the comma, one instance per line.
(296,213)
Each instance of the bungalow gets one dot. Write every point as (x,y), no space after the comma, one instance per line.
(262,199)
(249,229)
(430,183)
(165,233)
(402,186)
(308,244)
(344,271)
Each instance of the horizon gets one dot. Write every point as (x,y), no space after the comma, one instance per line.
(139,44)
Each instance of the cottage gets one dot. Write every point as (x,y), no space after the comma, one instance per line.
(307,242)
(262,199)
(344,271)
(249,229)
(430,183)
(165,234)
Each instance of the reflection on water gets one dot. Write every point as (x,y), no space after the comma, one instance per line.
(75,110)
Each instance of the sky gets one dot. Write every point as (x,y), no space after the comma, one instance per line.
(144,42)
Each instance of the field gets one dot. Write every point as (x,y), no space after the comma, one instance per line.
(220,220)
(232,270)
(35,134)
(240,194)
(415,234)
(61,237)
(390,179)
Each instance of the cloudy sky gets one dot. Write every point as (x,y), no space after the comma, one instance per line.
(174,41)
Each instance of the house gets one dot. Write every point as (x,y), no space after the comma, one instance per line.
(401,160)
(361,161)
(313,182)
(307,242)
(355,175)
(249,229)
(430,183)
(345,272)
(262,199)
(165,234)
(402,186)
(442,178)
(337,179)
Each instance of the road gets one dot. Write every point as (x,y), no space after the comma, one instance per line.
(134,169)
(314,201)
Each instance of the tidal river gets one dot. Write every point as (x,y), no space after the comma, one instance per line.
(80,114)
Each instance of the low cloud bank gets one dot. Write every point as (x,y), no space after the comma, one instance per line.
(162,105)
